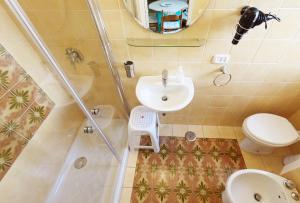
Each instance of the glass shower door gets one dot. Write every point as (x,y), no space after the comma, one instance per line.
(92,165)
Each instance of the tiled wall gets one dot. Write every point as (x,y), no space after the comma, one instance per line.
(23,108)
(265,65)
(295,120)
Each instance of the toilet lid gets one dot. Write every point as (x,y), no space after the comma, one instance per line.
(270,129)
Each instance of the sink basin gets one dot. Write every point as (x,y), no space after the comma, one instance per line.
(174,97)
(253,186)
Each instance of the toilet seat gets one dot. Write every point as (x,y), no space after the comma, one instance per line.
(270,129)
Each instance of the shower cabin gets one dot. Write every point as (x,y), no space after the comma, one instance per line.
(79,153)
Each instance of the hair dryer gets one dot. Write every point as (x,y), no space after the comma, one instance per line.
(251,17)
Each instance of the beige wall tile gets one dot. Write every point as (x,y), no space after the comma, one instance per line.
(223,24)
(230,4)
(271,51)
(165,54)
(282,152)
(269,89)
(239,53)
(132,28)
(119,48)
(253,161)
(261,64)
(165,130)
(273,163)
(211,131)
(290,89)
(295,119)
(141,53)
(129,177)
(291,4)
(132,158)
(190,54)
(265,4)
(295,148)
(126,195)
(179,130)
(250,72)
(198,129)
(292,55)
(108,4)
(114,25)
(219,101)
(226,132)
(213,47)
(269,56)
(289,22)
(239,133)
(200,72)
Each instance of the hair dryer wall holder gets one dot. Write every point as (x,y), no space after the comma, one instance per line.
(251,17)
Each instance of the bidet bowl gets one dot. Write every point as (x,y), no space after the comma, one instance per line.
(253,186)
(174,97)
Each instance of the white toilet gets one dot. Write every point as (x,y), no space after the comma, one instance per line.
(264,132)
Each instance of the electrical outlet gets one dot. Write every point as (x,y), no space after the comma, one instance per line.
(220,58)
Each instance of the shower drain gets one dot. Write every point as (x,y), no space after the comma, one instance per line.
(190,136)
(80,162)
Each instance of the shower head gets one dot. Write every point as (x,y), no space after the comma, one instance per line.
(250,18)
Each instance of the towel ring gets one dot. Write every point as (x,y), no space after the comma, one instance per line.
(224,78)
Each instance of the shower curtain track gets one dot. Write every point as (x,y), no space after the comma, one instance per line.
(17,10)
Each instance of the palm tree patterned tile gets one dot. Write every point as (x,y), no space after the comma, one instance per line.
(23,107)
(2,50)
(10,148)
(185,171)
(16,102)
(34,117)
(10,73)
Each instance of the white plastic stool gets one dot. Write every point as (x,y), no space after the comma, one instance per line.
(143,121)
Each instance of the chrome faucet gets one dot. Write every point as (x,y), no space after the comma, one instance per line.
(164,77)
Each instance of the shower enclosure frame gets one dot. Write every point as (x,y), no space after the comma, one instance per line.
(16,8)
(102,33)
(20,14)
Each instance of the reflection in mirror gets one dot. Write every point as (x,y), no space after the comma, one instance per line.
(166,16)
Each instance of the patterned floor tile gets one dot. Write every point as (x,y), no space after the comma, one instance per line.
(34,116)
(23,107)
(15,103)
(185,171)
(10,72)
(10,148)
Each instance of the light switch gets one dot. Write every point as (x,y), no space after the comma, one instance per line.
(221,58)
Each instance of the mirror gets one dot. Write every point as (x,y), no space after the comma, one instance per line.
(166,16)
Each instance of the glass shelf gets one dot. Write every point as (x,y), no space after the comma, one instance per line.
(146,42)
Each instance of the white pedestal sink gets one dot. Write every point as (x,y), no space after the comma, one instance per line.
(174,97)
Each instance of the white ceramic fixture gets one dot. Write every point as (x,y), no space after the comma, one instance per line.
(264,132)
(175,96)
(254,186)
